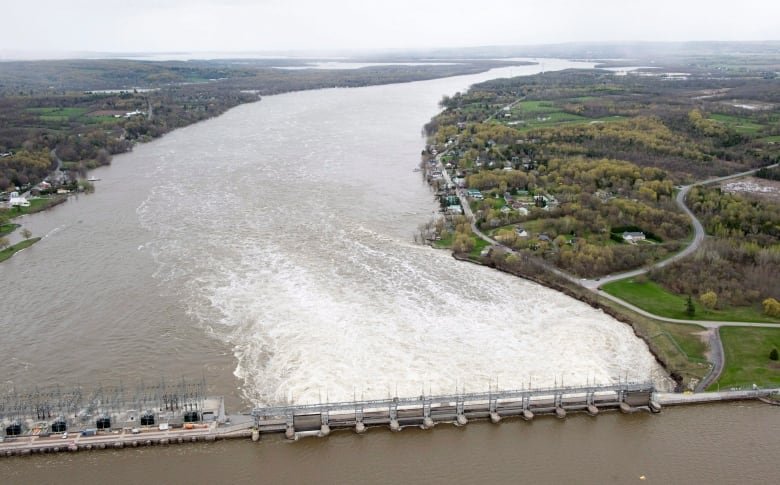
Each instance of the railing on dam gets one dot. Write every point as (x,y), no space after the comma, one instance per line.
(459,404)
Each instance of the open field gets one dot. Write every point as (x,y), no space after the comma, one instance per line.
(739,124)
(36,205)
(747,357)
(655,299)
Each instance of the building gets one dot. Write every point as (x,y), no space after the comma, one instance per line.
(633,236)
(19,202)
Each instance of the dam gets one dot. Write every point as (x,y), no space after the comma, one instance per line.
(53,420)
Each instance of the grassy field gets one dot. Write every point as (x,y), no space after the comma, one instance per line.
(653,298)
(36,205)
(445,242)
(55,116)
(11,250)
(479,245)
(537,114)
(679,346)
(741,125)
(747,357)
(8,228)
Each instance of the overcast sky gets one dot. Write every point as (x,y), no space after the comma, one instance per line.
(260,25)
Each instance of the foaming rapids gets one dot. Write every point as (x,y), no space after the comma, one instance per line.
(299,255)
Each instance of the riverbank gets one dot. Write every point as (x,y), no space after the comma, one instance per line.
(81,113)
(11,250)
(666,342)
(574,199)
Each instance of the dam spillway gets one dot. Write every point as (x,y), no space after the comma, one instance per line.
(297,421)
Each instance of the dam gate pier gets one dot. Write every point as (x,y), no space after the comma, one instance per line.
(426,411)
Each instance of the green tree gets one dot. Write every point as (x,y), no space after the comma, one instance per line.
(690,310)
(773,354)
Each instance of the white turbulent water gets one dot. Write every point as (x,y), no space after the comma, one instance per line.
(286,226)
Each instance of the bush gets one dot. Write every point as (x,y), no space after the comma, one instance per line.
(773,354)
(772,307)
(709,299)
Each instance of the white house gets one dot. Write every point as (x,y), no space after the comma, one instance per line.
(633,236)
(521,232)
(19,202)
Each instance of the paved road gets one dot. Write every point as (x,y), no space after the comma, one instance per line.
(716,346)
(701,323)
(594,285)
(716,357)
(698,235)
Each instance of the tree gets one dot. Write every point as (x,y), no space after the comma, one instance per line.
(4,242)
(463,243)
(690,310)
(26,233)
(773,354)
(709,299)
(772,307)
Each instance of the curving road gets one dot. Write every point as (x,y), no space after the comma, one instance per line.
(698,235)
(595,284)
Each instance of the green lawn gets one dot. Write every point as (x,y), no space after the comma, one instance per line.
(687,339)
(36,205)
(535,107)
(651,297)
(58,112)
(741,125)
(479,245)
(8,228)
(679,346)
(446,241)
(747,357)
(11,250)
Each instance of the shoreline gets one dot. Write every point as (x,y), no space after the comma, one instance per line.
(593,303)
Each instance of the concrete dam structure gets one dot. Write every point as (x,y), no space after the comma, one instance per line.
(427,411)
(50,421)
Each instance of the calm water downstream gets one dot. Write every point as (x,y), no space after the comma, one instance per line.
(734,443)
(271,250)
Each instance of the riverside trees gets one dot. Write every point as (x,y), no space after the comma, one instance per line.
(576,158)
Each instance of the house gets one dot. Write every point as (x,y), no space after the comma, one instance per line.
(475,194)
(521,232)
(454,209)
(19,202)
(633,236)
(544,237)
(506,209)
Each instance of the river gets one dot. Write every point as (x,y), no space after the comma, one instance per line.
(270,251)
